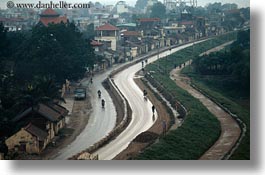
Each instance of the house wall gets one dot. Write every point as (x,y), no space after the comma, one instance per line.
(59,125)
(32,144)
(134,52)
(2,157)
(109,38)
(50,128)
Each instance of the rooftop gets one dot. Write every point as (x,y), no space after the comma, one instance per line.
(96,43)
(49,12)
(107,27)
(148,19)
(47,112)
(131,33)
(47,21)
(34,130)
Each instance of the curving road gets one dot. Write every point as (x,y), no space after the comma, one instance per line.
(141,110)
(100,123)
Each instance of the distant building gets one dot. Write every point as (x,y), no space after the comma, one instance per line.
(122,7)
(149,26)
(50,16)
(149,5)
(174,28)
(108,32)
(18,19)
(82,23)
(186,16)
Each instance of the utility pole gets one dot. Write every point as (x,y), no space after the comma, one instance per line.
(122,35)
(158,53)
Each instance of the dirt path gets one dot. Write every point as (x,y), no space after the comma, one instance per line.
(230,128)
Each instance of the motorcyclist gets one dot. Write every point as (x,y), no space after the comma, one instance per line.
(103,103)
(153,109)
(91,80)
(145,92)
(99,94)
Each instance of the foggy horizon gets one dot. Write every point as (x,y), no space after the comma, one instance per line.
(240,3)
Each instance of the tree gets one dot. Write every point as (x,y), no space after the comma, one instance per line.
(4,42)
(90,32)
(158,10)
(48,52)
(40,90)
(141,4)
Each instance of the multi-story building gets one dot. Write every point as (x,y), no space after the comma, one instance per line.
(122,7)
(108,32)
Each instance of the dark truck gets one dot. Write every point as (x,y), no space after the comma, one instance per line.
(80,93)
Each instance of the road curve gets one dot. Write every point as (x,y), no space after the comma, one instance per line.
(100,123)
(142,118)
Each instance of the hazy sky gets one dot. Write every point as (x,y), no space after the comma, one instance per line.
(241,3)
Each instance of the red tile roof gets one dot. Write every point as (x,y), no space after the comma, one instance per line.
(149,19)
(186,23)
(57,20)
(107,26)
(49,12)
(131,33)
(96,43)
(34,130)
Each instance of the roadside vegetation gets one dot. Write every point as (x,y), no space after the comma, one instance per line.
(34,65)
(225,76)
(200,129)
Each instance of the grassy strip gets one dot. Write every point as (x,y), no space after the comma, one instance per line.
(243,151)
(200,129)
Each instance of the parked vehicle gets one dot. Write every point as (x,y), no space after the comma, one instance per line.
(80,93)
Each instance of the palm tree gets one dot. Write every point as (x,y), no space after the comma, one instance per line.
(40,90)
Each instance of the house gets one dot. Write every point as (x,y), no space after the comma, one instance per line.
(13,24)
(96,45)
(149,26)
(30,139)
(39,125)
(108,32)
(131,35)
(50,16)
(174,28)
(122,7)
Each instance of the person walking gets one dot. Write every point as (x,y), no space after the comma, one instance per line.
(153,109)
